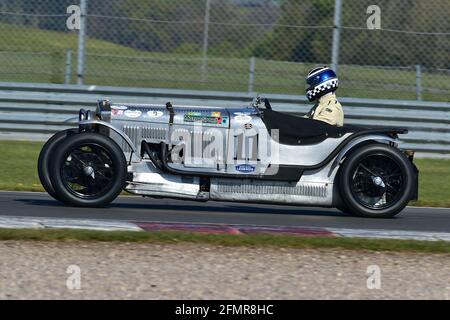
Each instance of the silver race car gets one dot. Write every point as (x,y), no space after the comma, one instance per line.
(246,154)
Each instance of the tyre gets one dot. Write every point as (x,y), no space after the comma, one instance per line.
(376,181)
(343,208)
(89,170)
(44,163)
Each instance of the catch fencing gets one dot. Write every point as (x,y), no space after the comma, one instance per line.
(382,49)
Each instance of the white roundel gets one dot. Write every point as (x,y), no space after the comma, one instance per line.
(242,118)
(155,114)
(117,107)
(132,113)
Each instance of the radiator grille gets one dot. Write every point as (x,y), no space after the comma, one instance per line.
(138,133)
(133,133)
(154,133)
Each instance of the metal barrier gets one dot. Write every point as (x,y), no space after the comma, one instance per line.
(34,111)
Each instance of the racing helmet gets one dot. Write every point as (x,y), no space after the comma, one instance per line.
(319,82)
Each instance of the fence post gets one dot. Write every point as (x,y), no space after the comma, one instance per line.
(206,39)
(68,77)
(336,35)
(82,42)
(419,82)
(251,76)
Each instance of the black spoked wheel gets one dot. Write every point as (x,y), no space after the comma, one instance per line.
(89,170)
(44,161)
(376,181)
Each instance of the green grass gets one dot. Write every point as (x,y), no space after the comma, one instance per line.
(34,55)
(18,160)
(434,182)
(261,240)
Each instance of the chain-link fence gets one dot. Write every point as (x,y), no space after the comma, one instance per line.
(231,45)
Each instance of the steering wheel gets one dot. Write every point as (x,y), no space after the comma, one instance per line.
(267,104)
(257,101)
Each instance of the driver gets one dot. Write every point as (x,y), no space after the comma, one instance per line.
(322,84)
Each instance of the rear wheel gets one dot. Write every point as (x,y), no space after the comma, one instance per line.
(376,181)
(89,170)
(44,161)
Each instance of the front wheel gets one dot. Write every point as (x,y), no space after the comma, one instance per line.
(45,155)
(89,170)
(376,181)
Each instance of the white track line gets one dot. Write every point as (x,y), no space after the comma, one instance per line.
(112,225)
(391,234)
(42,223)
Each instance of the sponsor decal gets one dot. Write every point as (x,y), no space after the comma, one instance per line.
(215,114)
(195,117)
(155,114)
(242,117)
(119,107)
(204,118)
(133,113)
(248,126)
(241,113)
(117,112)
(245,168)
(222,120)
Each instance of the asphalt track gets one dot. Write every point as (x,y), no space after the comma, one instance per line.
(26,204)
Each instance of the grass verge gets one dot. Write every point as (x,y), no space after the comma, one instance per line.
(21,173)
(261,240)
(434,186)
(19,162)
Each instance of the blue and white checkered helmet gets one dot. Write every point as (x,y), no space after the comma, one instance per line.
(320,81)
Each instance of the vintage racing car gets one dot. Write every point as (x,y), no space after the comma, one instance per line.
(246,154)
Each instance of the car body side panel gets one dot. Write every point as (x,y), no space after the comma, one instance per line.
(130,125)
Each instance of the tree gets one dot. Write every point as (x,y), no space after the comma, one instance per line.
(302,34)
